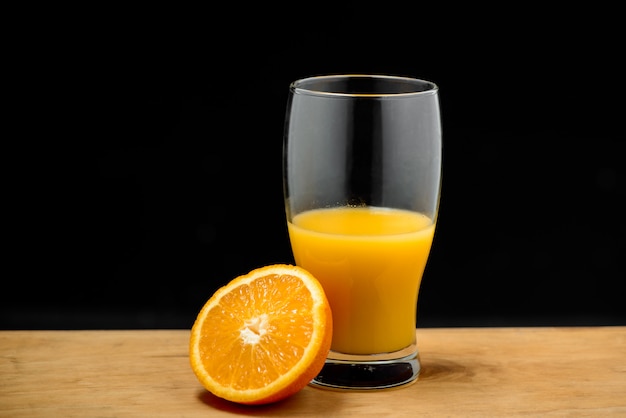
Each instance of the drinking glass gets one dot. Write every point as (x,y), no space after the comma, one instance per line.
(362,174)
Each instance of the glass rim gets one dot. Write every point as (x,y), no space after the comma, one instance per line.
(422,87)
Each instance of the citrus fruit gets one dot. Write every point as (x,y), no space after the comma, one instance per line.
(263,336)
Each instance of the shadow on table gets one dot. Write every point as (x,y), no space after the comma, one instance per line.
(303,400)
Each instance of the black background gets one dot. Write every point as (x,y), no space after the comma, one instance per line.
(143,158)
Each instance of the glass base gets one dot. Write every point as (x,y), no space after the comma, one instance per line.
(369,372)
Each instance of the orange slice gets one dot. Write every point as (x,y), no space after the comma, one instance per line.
(263,336)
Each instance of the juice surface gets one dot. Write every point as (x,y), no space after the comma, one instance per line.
(370,262)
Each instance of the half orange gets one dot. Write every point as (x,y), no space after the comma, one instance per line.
(263,336)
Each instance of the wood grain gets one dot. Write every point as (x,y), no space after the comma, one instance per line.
(466,372)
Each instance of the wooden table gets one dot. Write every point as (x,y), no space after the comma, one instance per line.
(466,372)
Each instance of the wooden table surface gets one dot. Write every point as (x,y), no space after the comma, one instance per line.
(466,372)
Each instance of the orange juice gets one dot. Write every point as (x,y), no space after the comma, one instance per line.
(370,262)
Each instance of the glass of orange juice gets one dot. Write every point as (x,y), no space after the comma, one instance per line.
(362,174)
